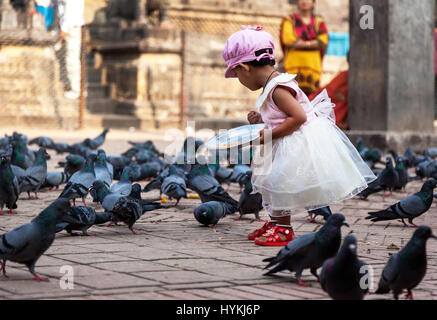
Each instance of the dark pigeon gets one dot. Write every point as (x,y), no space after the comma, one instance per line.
(130,208)
(425,168)
(389,177)
(9,187)
(61,147)
(209,213)
(73,164)
(35,175)
(325,212)
(250,203)
(373,187)
(341,276)
(406,268)
(80,182)
(410,207)
(85,217)
(25,244)
(240,173)
(309,251)
(402,174)
(21,156)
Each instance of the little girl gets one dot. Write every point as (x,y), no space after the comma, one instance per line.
(312,163)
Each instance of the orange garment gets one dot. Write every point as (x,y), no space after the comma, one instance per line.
(338,92)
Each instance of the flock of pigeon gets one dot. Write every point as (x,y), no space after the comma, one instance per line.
(88,170)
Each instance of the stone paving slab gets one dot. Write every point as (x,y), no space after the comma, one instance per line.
(173,257)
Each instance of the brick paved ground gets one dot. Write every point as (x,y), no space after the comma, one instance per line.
(173,257)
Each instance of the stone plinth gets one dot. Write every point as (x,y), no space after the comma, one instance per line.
(391,77)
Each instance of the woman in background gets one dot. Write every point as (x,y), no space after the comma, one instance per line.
(304,38)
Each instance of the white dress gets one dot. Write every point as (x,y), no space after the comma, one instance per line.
(313,167)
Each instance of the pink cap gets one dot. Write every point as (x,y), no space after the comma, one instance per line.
(247,45)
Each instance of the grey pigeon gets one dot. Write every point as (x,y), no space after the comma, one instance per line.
(21,156)
(207,187)
(410,207)
(389,177)
(9,187)
(410,156)
(101,169)
(102,153)
(406,268)
(156,183)
(109,197)
(35,175)
(54,179)
(341,276)
(425,168)
(25,244)
(61,147)
(325,212)
(174,185)
(95,143)
(43,142)
(80,182)
(222,174)
(248,202)
(309,250)
(209,213)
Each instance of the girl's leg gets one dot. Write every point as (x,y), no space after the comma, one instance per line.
(284,231)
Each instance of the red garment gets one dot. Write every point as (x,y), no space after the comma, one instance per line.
(338,92)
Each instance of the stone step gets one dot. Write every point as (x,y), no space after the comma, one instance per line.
(126,108)
(94,75)
(101,106)
(98,91)
(112,121)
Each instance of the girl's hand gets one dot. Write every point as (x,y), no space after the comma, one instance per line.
(254,117)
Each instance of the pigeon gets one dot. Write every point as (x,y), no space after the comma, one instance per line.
(54,179)
(85,217)
(109,197)
(402,174)
(95,143)
(373,155)
(61,147)
(148,145)
(26,243)
(410,156)
(118,162)
(341,275)
(239,174)
(9,187)
(174,185)
(248,202)
(425,168)
(372,188)
(309,250)
(73,164)
(102,153)
(389,177)
(43,142)
(207,187)
(144,156)
(222,174)
(209,213)
(406,268)
(130,208)
(35,175)
(21,156)
(410,207)
(101,169)
(80,182)
(325,212)
(156,183)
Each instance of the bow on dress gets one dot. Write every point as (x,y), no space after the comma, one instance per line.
(323,107)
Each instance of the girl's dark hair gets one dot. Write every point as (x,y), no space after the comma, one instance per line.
(262,61)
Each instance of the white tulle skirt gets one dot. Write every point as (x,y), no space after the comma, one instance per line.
(314,167)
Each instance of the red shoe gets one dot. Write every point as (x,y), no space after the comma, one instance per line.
(273,239)
(259,232)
